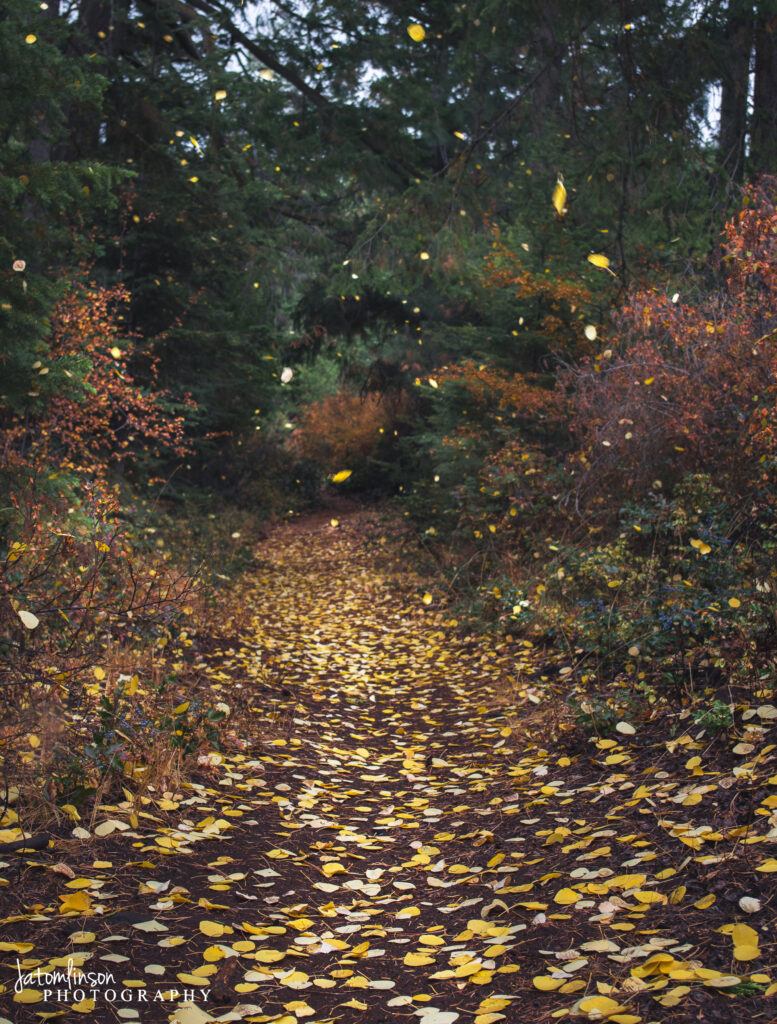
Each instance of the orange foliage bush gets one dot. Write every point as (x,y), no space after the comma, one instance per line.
(341,429)
(71,577)
(683,386)
(520,395)
(90,412)
(555,299)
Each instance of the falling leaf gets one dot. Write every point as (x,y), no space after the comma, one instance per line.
(559,201)
(29,621)
(590,332)
(286,374)
(416,32)
(598,260)
(220,94)
(343,475)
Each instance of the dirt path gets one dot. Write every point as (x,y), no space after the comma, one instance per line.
(386,844)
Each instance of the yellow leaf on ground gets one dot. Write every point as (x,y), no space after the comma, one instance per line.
(211,928)
(547,984)
(566,897)
(417,959)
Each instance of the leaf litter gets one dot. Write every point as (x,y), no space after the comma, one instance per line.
(394,833)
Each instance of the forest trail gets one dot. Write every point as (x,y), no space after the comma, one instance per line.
(385,841)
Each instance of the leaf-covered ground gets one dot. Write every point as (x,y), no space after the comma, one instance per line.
(394,835)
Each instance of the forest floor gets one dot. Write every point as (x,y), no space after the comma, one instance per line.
(394,833)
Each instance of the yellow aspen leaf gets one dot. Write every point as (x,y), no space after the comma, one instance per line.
(602,1005)
(648,896)
(29,621)
(28,995)
(705,901)
(572,986)
(746,952)
(84,1006)
(744,935)
(493,1003)
(333,868)
(211,928)
(301,924)
(768,866)
(75,903)
(560,199)
(481,978)
(219,95)
(294,979)
(269,956)
(598,260)
(340,477)
(566,897)
(734,602)
(416,32)
(417,959)
(545,983)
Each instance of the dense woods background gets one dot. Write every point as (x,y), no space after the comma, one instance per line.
(512,263)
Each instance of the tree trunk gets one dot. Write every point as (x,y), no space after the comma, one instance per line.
(763,133)
(735,64)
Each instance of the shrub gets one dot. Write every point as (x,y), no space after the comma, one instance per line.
(679,385)
(342,430)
